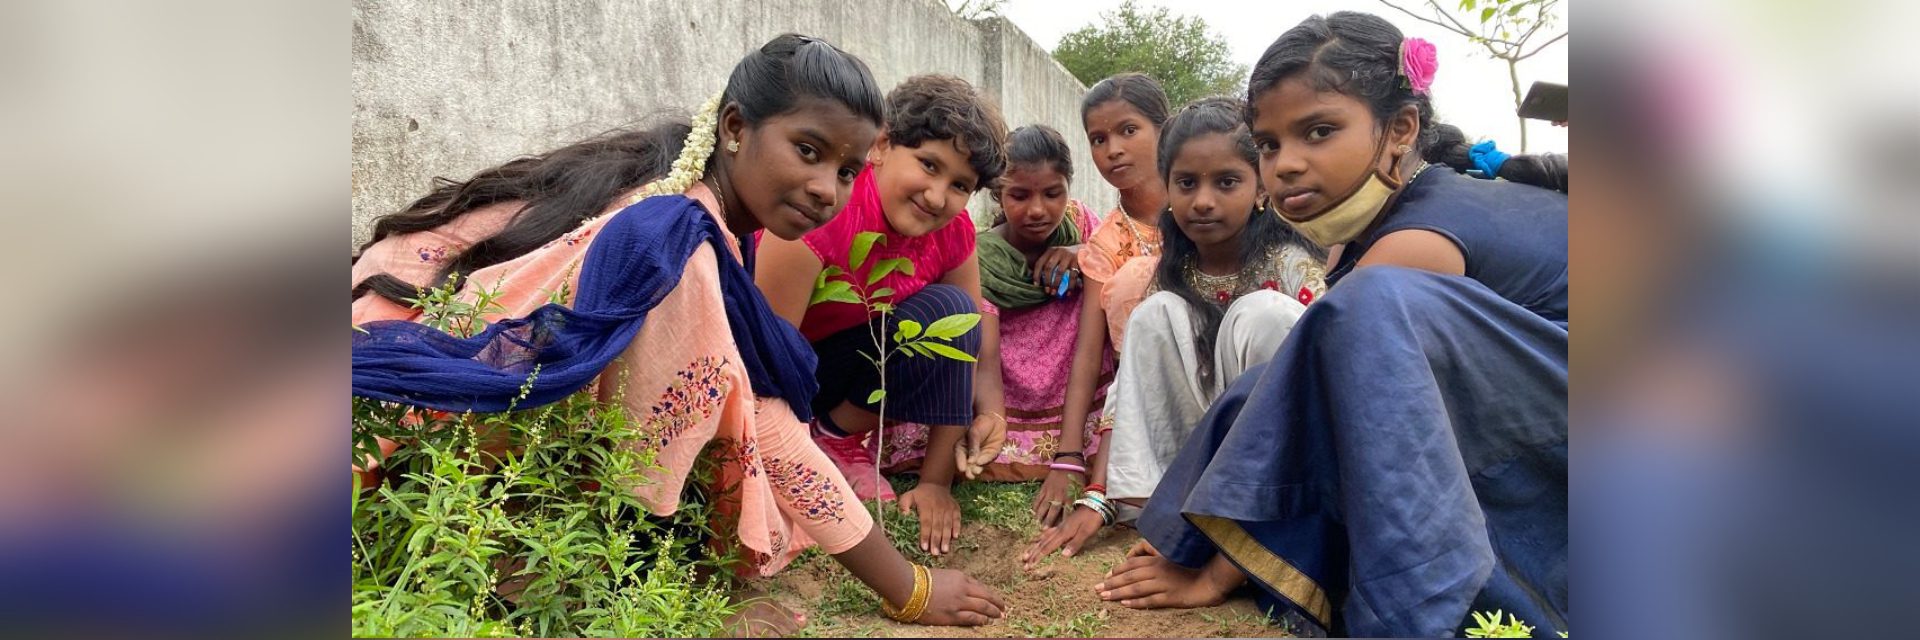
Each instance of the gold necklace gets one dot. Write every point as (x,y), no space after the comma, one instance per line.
(1222,290)
(718,198)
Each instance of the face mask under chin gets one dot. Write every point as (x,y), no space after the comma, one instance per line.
(1348,218)
(1351,215)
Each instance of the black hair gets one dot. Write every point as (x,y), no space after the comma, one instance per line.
(1451,147)
(1265,231)
(1358,54)
(567,186)
(943,107)
(1034,145)
(1139,90)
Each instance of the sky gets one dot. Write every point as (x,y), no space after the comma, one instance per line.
(1471,89)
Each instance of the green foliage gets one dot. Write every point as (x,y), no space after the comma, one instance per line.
(1490,626)
(1182,53)
(522,522)
(909,338)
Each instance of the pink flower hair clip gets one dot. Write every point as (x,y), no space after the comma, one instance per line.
(1418,62)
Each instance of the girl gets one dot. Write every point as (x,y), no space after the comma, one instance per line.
(943,141)
(656,299)
(1029,278)
(1122,116)
(1232,282)
(1402,459)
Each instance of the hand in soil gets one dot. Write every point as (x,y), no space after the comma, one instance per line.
(1052,501)
(1072,534)
(958,599)
(1154,582)
(939,516)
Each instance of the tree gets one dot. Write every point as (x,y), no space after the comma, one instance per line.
(1188,59)
(1506,26)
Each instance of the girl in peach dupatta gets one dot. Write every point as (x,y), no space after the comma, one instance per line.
(654,297)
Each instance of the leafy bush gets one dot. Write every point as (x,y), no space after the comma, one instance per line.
(523,522)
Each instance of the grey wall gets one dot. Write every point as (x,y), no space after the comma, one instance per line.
(449,87)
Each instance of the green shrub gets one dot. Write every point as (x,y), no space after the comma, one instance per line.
(524,523)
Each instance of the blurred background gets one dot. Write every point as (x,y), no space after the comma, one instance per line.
(1746,238)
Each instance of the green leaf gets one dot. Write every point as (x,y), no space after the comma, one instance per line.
(953,326)
(909,329)
(949,352)
(1466,5)
(876,395)
(862,244)
(881,293)
(1515,9)
(1487,14)
(836,291)
(883,267)
(882,307)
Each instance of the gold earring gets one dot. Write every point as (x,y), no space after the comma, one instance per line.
(733,146)
(1404,149)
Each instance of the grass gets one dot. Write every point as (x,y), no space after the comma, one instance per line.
(1001,505)
(1085,625)
(1228,623)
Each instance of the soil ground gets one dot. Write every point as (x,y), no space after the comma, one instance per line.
(1055,600)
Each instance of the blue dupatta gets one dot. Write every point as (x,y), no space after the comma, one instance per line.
(634,262)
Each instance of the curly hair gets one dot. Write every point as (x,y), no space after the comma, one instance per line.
(943,107)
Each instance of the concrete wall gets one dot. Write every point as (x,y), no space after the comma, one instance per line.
(448,87)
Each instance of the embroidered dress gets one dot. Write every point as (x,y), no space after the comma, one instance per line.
(686,375)
(1118,241)
(1158,395)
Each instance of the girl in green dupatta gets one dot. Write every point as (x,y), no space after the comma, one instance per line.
(1030,277)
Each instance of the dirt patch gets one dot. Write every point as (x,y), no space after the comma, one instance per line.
(1056,600)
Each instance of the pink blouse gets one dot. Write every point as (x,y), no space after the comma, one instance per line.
(932,255)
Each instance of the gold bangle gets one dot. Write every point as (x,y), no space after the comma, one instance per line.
(917,603)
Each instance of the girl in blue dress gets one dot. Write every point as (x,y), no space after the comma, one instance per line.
(1401,461)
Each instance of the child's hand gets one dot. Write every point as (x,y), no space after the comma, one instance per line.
(981,446)
(1054,263)
(1073,533)
(1054,499)
(939,516)
(958,599)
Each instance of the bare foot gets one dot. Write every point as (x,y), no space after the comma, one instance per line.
(1153,582)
